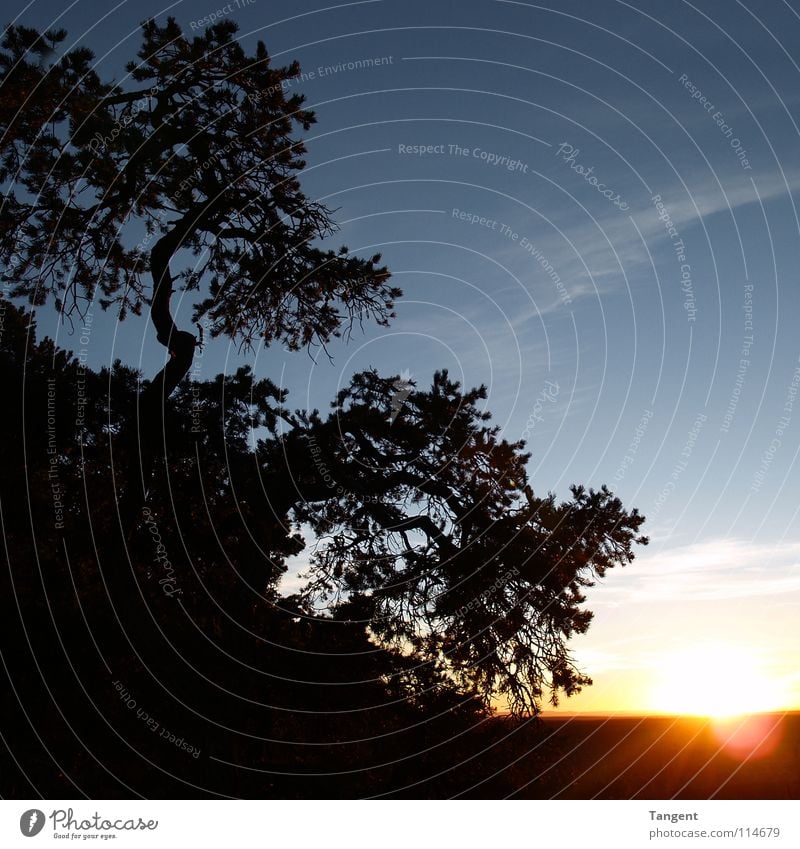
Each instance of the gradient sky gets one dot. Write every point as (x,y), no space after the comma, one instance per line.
(674,373)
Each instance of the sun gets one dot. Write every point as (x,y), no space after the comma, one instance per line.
(715,680)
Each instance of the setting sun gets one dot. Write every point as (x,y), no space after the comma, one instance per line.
(716,681)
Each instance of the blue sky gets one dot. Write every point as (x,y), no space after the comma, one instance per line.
(531,253)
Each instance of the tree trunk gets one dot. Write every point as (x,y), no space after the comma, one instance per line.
(149,436)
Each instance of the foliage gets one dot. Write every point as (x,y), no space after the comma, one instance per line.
(147,535)
(196,146)
(430,530)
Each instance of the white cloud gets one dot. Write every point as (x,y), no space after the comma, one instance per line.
(709,571)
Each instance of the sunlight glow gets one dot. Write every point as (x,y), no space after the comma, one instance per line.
(716,680)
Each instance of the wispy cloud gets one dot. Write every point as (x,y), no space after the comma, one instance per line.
(593,257)
(715,570)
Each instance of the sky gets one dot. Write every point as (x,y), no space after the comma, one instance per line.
(591,208)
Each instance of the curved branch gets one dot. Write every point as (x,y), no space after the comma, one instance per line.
(180,343)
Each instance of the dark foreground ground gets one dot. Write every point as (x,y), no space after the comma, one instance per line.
(554,758)
(662,758)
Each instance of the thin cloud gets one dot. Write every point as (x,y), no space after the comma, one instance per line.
(709,571)
(601,253)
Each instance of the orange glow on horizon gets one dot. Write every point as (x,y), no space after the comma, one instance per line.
(715,680)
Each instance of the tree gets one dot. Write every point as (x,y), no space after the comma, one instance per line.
(424,613)
(432,537)
(431,551)
(196,147)
(185,615)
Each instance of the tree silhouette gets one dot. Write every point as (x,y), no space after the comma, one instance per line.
(432,536)
(439,582)
(448,582)
(200,636)
(197,147)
